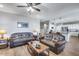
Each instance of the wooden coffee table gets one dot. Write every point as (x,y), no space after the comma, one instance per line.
(42,48)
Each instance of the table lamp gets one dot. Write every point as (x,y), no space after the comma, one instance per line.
(2,32)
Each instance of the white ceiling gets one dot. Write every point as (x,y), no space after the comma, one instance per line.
(49,10)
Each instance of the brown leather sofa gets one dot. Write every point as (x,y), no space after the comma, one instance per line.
(56,45)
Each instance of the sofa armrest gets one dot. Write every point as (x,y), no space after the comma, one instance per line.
(60,43)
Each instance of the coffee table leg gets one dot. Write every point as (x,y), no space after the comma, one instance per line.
(48,52)
(37,54)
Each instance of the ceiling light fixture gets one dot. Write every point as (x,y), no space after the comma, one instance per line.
(30,9)
(1,6)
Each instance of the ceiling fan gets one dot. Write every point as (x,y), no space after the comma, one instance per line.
(30,6)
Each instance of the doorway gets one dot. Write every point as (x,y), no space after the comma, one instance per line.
(44,27)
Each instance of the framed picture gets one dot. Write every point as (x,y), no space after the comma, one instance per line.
(22,24)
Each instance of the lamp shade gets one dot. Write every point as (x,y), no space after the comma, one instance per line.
(2,31)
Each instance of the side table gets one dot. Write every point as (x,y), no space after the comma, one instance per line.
(3,44)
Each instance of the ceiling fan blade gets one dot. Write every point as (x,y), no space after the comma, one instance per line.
(21,6)
(37,9)
(37,3)
(34,4)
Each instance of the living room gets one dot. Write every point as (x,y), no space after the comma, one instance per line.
(39,29)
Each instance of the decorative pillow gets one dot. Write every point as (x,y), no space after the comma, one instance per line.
(16,36)
(48,37)
(3,41)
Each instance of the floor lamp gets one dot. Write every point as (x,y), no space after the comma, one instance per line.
(2,32)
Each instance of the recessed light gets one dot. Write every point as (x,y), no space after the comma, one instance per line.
(1,6)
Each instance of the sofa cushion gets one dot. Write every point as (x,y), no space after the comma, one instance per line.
(48,42)
(48,36)
(52,43)
(61,42)
(59,37)
(23,34)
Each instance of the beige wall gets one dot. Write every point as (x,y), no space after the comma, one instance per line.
(9,23)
